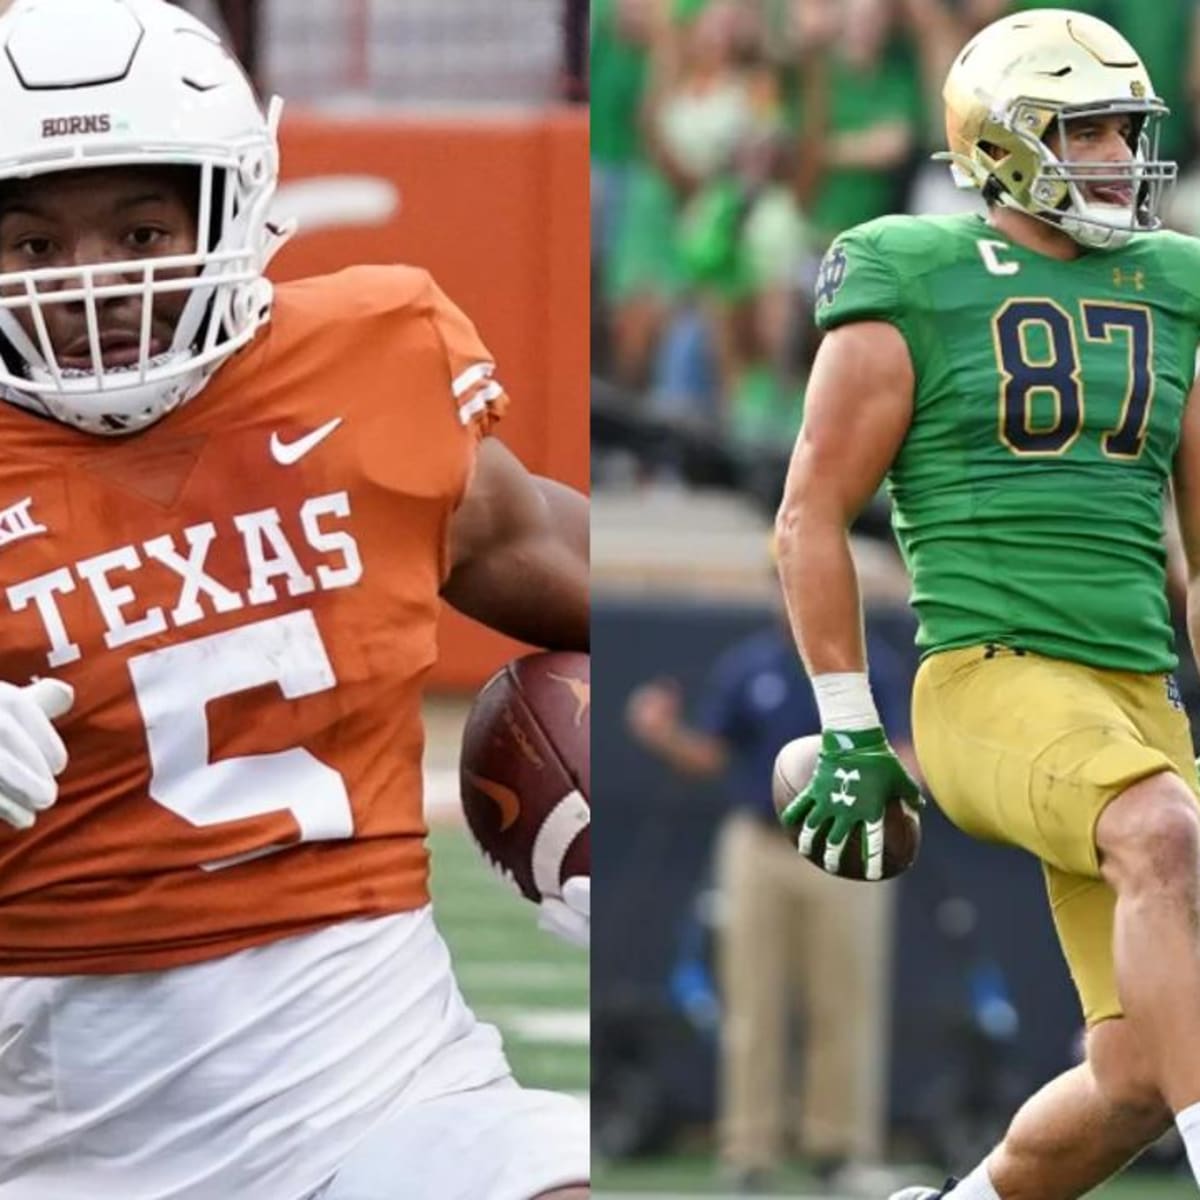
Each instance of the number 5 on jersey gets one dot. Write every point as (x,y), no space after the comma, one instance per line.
(173,687)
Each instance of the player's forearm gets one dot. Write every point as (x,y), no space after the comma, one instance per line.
(519,554)
(534,590)
(569,514)
(820,586)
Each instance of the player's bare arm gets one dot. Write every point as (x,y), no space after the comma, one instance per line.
(518,554)
(570,513)
(857,411)
(519,563)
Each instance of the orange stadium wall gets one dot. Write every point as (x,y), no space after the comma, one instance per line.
(497,210)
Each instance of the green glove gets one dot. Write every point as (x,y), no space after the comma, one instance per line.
(857,774)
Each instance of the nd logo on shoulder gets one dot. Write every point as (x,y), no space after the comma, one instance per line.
(832,274)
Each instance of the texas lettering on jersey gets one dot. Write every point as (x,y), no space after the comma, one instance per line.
(245,598)
(112,577)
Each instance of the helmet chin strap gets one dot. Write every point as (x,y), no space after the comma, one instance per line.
(1097,226)
(1094,223)
(72,399)
(1086,223)
(141,403)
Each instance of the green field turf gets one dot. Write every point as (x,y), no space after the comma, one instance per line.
(534,987)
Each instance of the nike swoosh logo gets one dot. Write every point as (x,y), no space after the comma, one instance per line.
(286,453)
(507,801)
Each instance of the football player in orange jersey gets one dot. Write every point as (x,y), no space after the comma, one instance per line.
(219,974)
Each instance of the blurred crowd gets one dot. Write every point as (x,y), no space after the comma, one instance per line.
(732,140)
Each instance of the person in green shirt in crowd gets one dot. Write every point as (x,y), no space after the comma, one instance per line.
(859,110)
(742,242)
(620,57)
(702,98)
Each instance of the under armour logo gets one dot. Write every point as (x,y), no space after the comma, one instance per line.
(831,275)
(16,523)
(844,777)
(1137,277)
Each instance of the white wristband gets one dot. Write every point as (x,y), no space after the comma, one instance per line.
(844,701)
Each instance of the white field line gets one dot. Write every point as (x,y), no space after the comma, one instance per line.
(711,1196)
(560,1026)
(520,974)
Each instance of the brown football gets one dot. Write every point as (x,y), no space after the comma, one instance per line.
(794,766)
(525,771)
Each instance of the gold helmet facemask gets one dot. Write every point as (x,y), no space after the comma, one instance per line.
(1033,73)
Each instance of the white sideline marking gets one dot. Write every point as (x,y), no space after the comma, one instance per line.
(711,1196)
(519,973)
(565,1026)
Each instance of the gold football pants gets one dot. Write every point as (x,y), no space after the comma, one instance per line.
(1027,750)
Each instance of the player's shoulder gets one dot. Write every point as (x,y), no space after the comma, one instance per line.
(1167,265)
(360,293)
(869,271)
(1168,249)
(364,315)
(390,314)
(906,239)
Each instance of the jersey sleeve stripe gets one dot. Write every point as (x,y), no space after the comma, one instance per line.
(479,401)
(471,376)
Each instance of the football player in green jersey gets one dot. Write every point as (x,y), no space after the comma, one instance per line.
(1023,380)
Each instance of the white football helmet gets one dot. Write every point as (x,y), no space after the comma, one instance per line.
(1033,71)
(110,83)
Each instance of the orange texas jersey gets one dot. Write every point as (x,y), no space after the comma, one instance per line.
(244,598)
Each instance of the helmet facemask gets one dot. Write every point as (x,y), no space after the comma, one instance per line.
(1014,166)
(227,301)
(1061,190)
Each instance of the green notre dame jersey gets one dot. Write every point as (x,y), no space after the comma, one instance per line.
(1028,494)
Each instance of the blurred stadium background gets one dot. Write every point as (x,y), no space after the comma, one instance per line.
(452,134)
(730,141)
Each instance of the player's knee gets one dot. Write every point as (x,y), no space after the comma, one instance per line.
(1149,836)
(1126,1081)
(1133,1099)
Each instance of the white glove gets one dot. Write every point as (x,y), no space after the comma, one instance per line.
(31,752)
(569,916)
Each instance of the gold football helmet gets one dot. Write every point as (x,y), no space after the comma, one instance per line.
(1030,73)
